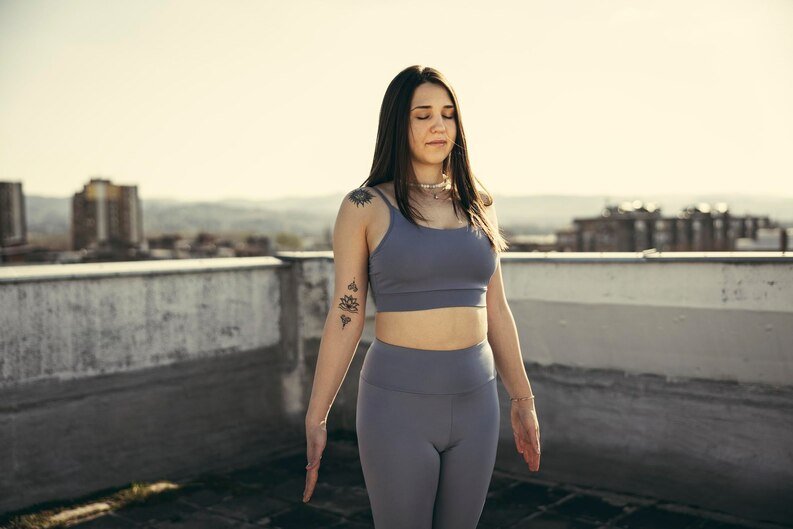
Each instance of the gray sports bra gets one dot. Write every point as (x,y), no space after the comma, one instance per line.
(417,267)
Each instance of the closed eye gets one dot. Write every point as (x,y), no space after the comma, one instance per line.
(427,117)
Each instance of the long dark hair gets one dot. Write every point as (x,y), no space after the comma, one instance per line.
(392,159)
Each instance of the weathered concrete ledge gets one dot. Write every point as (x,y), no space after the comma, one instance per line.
(665,376)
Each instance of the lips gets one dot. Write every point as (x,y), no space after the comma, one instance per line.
(437,142)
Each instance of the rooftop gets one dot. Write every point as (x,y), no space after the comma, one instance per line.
(664,384)
(268,495)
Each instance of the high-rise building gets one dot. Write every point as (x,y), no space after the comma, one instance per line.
(106,216)
(13,227)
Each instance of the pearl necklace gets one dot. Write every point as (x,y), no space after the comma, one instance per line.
(445,184)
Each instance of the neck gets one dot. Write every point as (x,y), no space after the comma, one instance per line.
(428,174)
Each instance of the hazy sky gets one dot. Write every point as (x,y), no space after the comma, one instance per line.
(261,99)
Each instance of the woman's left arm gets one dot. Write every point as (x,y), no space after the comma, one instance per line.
(502,334)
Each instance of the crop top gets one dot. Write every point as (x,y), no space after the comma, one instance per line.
(418,267)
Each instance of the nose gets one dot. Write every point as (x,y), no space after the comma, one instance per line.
(438,125)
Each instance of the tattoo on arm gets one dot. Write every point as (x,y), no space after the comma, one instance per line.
(360,196)
(348,303)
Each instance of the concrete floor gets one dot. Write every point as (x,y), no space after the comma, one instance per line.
(269,495)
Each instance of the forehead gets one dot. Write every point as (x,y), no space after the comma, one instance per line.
(430,94)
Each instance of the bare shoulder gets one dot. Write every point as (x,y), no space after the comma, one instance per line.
(487,198)
(489,202)
(359,198)
(355,208)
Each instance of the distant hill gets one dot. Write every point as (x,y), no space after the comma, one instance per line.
(315,215)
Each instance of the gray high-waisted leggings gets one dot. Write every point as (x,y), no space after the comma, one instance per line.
(427,424)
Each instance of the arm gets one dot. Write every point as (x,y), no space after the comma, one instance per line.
(345,320)
(502,332)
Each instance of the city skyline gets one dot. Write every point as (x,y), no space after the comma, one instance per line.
(634,98)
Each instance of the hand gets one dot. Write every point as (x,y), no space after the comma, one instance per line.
(316,440)
(526,430)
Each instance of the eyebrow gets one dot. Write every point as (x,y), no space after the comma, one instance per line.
(429,106)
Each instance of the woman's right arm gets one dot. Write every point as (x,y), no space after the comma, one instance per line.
(345,320)
(343,324)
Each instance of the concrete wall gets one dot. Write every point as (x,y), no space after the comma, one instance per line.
(116,372)
(657,375)
(674,317)
(82,320)
(666,376)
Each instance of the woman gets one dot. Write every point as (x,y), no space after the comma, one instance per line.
(427,416)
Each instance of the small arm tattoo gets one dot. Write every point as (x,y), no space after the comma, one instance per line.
(348,303)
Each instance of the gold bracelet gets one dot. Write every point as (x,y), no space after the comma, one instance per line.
(514,399)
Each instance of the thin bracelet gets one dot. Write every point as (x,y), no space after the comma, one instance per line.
(521,398)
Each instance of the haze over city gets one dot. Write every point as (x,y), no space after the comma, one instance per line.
(206,101)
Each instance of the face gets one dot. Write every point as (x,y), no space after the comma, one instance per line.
(432,118)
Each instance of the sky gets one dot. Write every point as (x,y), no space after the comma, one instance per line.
(212,100)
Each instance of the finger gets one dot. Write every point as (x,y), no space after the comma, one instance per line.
(521,442)
(311,481)
(535,440)
(312,473)
(518,444)
(535,463)
(535,446)
(526,453)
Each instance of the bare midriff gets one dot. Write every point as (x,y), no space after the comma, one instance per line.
(441,329)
